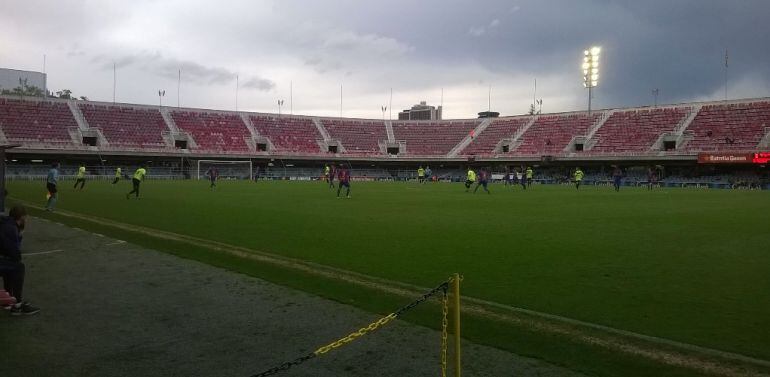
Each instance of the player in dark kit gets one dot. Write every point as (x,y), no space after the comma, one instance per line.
(652,177)
(617,177)
(213,175)
(524,180)
(483,181)
(343,175)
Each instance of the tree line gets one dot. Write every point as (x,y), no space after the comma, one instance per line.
(25,90)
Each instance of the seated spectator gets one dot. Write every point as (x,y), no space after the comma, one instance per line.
(11,267)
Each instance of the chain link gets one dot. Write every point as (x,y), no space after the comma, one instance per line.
(353,336)
(285,366)
(444,325)
(374,326)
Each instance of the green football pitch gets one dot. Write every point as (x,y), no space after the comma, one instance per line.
(681,264)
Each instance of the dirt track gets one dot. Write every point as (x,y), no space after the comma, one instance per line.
(114,309)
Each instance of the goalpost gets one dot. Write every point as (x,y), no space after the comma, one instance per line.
(226,169)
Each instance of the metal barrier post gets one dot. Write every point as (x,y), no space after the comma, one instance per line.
(456,294)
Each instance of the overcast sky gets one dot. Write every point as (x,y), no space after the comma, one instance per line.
(414,47)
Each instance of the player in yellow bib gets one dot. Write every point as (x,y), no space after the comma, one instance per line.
(80,179)
(118,175)
(420,174)
(530,174)
(470,179)
(578,178)
(137,181)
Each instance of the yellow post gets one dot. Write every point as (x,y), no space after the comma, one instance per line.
(456,294)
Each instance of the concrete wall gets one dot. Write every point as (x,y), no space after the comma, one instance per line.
(9,78)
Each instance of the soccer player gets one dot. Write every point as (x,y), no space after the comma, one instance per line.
(11,268)
(420,174)
(50,184)
(343,176)
(81,177)
(483,181)
(326,173)
(471,178)
(213,174)
(523,180)
(118,174)
(617,177)
(652,177)
(578,178)
(428,174)
(530,173)
(332,173)
(137,181)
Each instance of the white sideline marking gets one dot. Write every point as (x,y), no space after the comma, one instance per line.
(43,252)
(99,235)
(118,242)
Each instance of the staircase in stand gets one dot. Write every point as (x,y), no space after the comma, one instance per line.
(469,138)
(78,115)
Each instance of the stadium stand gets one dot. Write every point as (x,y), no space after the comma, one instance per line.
(551,134)
(52,124)
(358,136)
(127,126)
(214,132)
(485,143)
(636,130)
(735,126)
(432,138)
(37,124)
(295,135)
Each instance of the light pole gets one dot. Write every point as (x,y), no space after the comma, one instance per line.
(655,93)
(280,103)
(384,108)
(161,94)
(540,104)
(591,71)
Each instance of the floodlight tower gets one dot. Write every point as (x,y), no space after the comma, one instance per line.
(591,71)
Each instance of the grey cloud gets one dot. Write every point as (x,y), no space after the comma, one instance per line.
(171,68)
(259,84)
(477,31)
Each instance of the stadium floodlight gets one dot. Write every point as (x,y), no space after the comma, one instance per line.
(590,68)
(280,103)
(161,94)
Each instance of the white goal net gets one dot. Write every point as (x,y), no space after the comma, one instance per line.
(226,169)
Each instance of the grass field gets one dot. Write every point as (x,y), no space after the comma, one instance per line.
(686,265)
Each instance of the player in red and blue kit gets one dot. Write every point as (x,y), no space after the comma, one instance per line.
(343,175)
(213,174)
(482,181)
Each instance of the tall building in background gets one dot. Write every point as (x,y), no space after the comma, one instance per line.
(421,111)
(9,78)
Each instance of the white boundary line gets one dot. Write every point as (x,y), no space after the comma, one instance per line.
(42,252)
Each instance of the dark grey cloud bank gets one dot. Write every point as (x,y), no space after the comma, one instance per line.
(676,46)
(416,48)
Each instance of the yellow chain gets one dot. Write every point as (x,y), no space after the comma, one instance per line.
(444,324)
(353,336)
